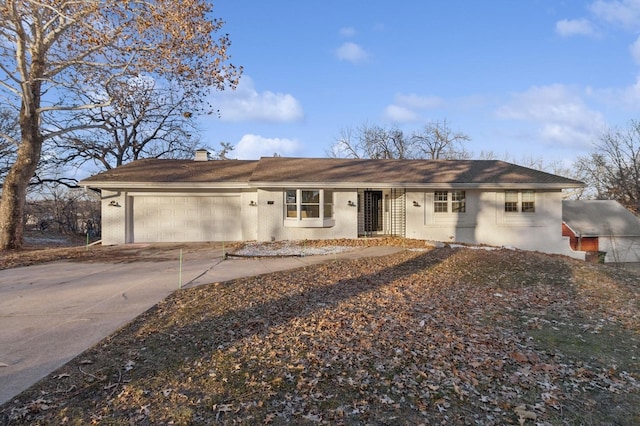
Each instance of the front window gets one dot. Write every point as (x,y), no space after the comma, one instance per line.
(310,207)
(520,201)
(291,198)
(528,202)
(440,204)
(458,203)
(328,204)
(511,201)
(454,201)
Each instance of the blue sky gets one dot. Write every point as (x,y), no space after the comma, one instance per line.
(525,78)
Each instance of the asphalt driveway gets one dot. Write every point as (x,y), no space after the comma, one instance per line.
(51,313)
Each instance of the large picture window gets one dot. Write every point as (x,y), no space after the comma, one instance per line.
(309,207)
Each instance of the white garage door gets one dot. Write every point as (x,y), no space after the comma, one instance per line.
(181,219)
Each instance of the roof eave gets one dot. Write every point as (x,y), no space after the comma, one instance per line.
(164,185)
(409,185)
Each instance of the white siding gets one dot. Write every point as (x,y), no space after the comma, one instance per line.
(620,249)
(485,222)
(114,209)
(271,218)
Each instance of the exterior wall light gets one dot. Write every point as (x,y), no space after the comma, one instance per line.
(253,203)
(351,203)
(416,204)
(114,203)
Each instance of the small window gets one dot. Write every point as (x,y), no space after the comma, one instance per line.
(511,201)
(528,202)
(291,203)
(328,204)
(440,204)
(458,203)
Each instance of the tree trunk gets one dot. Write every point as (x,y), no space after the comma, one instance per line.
(14,189)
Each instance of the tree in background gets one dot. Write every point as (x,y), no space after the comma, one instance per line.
(223,152)
(370,141)
(434,141)
(64,211)
(612,171)
(144,120)
(437,141)
(53,53)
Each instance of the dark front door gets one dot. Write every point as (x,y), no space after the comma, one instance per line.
(372,211)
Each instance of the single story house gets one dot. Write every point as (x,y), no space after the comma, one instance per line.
(470,201)
(602,227)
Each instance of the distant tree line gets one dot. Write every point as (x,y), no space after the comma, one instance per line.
(435,140)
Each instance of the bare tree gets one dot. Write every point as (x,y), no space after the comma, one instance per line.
(437,141)
(434,141)
(613,170)
(64,211)
(53,52)
(144,120)
(9,135)
(369,141)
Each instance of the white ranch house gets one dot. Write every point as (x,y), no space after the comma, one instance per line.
(469,201)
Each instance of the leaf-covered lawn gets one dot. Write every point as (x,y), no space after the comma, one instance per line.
(447,336)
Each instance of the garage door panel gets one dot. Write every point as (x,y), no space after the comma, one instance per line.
(177,219)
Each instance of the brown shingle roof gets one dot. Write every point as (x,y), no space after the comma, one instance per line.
(279,169)
(330,170)
(154,170)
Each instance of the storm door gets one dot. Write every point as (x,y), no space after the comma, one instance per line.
(372,211)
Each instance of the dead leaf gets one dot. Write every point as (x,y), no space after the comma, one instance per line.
(519,357)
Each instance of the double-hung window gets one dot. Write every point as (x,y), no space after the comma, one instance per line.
(309,207)
(449,201)
(440,202)
(520,201)
(458,203)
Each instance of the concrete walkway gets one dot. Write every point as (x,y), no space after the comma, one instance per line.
(51,313)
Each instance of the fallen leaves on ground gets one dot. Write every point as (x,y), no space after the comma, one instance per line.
(33,255)
(447,336)
(74,250)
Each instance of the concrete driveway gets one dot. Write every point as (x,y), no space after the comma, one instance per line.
(51,313)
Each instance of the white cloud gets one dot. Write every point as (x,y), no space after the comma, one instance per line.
(351,52)
(406,107)
(347,31)
(570,27)
(400,114)
(635,50)
(627,98)
(560,115)
(252,147)
(619,12)
(247,104)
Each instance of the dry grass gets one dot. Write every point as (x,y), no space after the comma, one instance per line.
(445,336)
